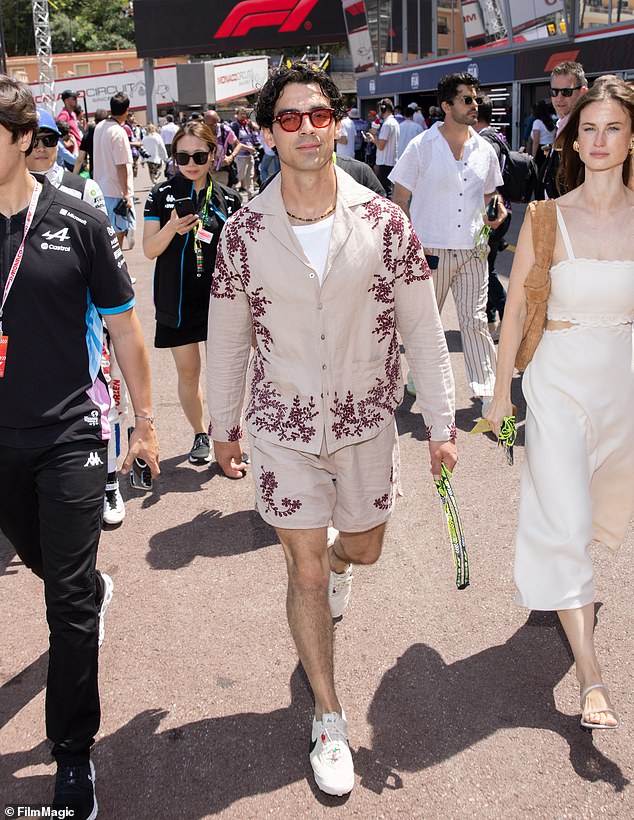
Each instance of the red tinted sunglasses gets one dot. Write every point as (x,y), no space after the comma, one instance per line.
(292,120)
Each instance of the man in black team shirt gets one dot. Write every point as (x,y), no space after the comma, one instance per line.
(61,270)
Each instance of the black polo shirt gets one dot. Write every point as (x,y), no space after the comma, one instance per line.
(71,274)
(181,292)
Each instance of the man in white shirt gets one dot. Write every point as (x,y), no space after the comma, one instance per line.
(345,143)
(417,115)
(386,144)
(444,181)
(113,166)
(167,132)
(407,130)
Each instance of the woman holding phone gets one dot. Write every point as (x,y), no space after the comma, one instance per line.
(183,220)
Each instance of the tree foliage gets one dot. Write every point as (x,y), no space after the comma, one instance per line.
(75,25)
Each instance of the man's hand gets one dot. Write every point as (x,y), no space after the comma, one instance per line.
(144,445)
(502,214)
(229,457)
(442,452)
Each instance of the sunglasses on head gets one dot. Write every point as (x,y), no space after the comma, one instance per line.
(48,139)
(467,99)
(292,120)
(565,92)
(199,157)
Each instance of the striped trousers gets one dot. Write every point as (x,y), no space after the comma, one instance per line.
(468,277)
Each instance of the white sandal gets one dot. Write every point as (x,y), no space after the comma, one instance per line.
(606,709)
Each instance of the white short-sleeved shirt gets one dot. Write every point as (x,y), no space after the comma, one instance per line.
(168,131)
(447,194)
(349,131)
(388,131)
(546,137)
(111,147)
(408,129)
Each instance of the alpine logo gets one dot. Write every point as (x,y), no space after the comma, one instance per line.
(93,460)
(60,236)
(287,15)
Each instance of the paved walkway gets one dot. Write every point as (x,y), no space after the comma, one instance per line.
(459,703)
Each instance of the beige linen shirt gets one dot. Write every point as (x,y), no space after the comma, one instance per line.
(326,359)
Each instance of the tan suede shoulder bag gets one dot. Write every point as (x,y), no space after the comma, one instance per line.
(537,284)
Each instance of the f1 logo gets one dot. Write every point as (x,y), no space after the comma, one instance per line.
(248,14)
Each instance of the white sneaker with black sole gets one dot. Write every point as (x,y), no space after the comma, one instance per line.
(339,583)
(108,589)
(113,506)
(330,754)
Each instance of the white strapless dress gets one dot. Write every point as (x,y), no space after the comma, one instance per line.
(577,482)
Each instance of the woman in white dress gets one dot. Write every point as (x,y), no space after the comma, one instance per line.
(578,479)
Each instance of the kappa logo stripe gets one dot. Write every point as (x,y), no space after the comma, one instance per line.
(93,460)
(287,14)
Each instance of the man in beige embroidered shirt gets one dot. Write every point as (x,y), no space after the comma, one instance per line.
(323,273)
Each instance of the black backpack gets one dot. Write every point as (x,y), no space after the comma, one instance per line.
(519,170)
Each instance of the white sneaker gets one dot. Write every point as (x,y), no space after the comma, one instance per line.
(339,584)
(113,506)
(330,754)
(108,589)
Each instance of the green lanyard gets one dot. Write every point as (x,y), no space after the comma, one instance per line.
(454,525)
(198,245)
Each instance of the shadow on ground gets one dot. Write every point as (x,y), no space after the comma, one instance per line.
(426,711)
(211,535)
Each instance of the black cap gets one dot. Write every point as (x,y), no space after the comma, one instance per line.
(68,93)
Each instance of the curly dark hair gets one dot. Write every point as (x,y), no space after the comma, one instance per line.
(572,171)
(448,86)
(301,73)
(17,108)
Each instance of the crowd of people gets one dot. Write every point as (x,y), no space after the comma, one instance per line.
(372,255)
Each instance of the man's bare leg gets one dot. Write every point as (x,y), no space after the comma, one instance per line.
(308,611)
(356,548)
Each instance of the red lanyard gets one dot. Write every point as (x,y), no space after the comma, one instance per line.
(13,271)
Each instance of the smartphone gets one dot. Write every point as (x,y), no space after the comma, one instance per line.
(492,210)
(432,261)
(184,206)
(140,474)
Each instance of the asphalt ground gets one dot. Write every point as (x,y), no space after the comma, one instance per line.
(459,703)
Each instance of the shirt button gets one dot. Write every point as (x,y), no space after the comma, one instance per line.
(459,194)
(459,210)
(323,337)
(311,275)
(459,226)
(319,306)
(323,367)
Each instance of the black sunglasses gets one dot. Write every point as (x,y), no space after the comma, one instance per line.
(48,140)
(565,92)
(292,120)
(467,99)
(199,157)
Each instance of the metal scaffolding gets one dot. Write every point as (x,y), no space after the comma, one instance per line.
(44,52)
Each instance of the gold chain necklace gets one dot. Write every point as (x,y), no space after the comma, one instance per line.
(315,218)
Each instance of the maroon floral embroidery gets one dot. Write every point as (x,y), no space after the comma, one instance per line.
(235,434)
(385,501)
(385,325)
(352,418)
(268,485)
(223,283)
(242,225)
(269,413)
(453,433)
(428,430)
(258,303)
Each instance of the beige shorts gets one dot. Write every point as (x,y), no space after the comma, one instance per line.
(354,488)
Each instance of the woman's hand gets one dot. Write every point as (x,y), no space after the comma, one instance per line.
(498,410)
(182,224)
